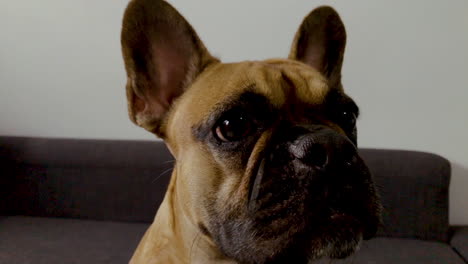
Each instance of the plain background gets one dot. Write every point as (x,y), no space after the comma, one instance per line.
(406,65)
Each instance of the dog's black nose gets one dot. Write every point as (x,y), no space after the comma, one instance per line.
(309,152)
(321,147)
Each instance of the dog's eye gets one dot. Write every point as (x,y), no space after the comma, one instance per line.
(348,119)
(233,128)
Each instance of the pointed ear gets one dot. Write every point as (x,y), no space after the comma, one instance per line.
(163,55)
(320,42)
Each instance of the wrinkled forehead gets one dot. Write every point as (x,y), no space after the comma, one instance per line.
(280,81)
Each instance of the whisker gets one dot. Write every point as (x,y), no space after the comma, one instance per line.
(169,161)
(195,240)
(161,174)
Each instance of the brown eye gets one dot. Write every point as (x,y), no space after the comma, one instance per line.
(233,128)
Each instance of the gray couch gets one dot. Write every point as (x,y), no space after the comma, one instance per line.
(90,201)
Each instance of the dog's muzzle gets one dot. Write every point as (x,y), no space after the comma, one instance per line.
(311,196)
(313,178)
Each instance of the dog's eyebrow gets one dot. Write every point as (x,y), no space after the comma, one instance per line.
(339,100)
(356,109)
(351,106)
(248,101)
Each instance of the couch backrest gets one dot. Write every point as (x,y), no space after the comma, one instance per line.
(94,179)
(414,187)
(124,180)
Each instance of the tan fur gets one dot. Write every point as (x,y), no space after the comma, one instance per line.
(225,80)
(175,236)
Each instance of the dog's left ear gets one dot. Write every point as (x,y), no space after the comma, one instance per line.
(320,42)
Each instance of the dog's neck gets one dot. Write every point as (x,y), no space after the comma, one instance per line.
(174,237)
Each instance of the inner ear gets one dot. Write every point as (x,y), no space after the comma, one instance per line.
(174,67)
(320,42)
(163,55)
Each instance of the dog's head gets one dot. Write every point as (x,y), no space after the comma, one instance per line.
(267,165)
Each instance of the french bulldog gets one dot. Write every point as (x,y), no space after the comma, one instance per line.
(267,169)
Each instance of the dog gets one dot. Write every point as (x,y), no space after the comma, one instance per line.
(267,169)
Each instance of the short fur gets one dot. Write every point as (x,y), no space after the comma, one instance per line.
(291,188)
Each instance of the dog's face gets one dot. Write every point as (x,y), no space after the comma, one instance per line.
(267,165)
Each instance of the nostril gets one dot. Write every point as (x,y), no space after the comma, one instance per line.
(316,156)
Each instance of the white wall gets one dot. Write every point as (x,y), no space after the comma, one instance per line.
(61,72)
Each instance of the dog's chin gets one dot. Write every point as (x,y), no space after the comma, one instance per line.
(290,240)
(339,238)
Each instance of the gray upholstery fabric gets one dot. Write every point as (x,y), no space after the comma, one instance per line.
(414,188)
(459,241)
(91,179)
(126,181)
(38,240)
(400,251)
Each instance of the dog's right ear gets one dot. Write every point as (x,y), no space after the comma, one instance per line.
(163,55)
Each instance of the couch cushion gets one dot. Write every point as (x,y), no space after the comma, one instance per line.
(37,240)
(460,241)
(25,240)
(401,251)
(414,187)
